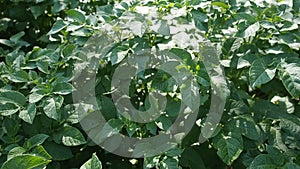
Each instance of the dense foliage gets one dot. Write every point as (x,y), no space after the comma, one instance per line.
(258,43)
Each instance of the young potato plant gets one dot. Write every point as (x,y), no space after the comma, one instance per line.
(43,46)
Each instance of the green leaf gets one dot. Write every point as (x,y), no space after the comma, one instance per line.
(176,151)
(6,42)
(164,28)
(290,77)
(57,151)
(19,77)
(111,127)
(259,73)
(291,126)
(25,161)
(15,38)
(151,127)
(220,4)
(244,16)
(10,127)
(284,103)
(10,96)
(200,18)
(28,115)
(76,15)
(194,2)
(36,96)
(35,141)
(118,54)
(93,163)
(70,136)
(62,88)
(169,163)
(43,66)
(8,109)
(50,109)
(291,165)
(290,39)
(229,146)
(296,5)
(250,31)
(15,152)
(37,10)
(59,6)
(264,161)
(163,122)
(57,26)
(40,151)
(246,125)
(192,159)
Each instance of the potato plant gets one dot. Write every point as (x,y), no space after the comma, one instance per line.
(42,44)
